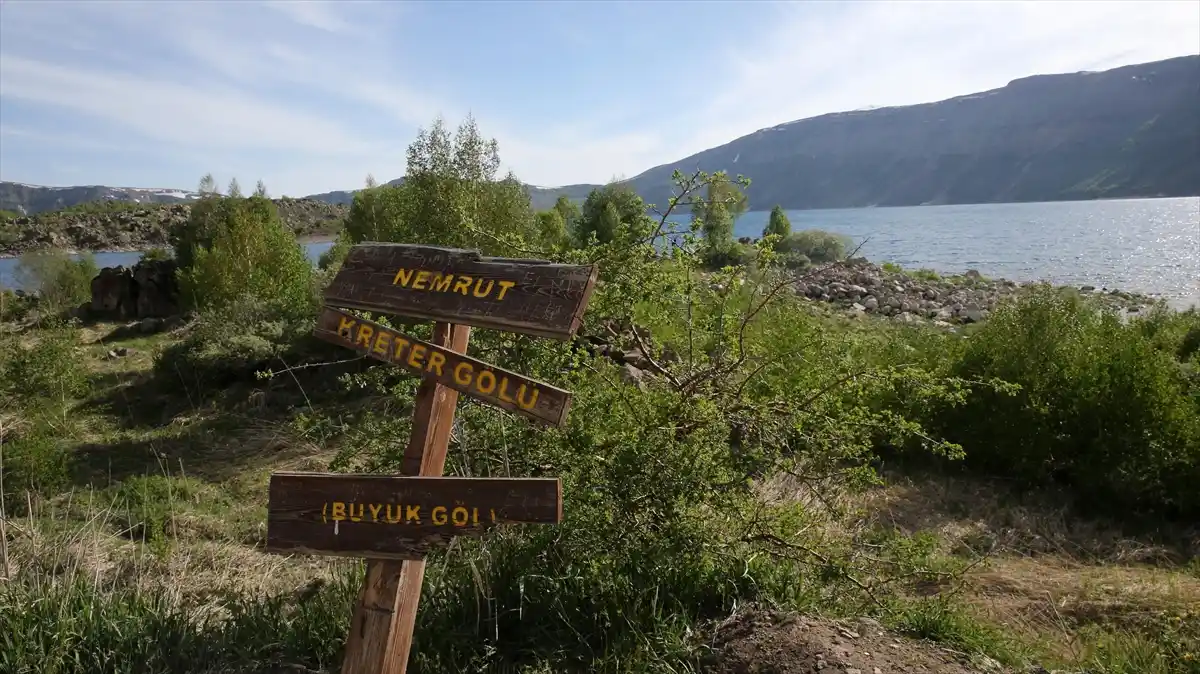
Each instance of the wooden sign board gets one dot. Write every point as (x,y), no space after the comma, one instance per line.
(469,376)
(533,297)
(389,517)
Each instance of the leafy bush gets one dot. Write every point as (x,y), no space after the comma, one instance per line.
(243,250)
(36,459)
(552,229)
(452,195)
(1100,407)
(232,342)
(155,255)
(14,307)
(48,371)
(331,260)
(40,382)
(818,246)
(59,281)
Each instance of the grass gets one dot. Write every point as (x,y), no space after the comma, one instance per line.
(152,561)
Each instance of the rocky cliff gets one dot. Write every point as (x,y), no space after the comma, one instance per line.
(116,225)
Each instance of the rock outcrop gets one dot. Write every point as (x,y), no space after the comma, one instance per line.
(110,225)
(147,290)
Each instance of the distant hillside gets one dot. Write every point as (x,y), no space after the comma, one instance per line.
(1132,131)
(31,199)
(120,225)
(1128,132)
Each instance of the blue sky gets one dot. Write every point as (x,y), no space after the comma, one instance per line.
(313,96)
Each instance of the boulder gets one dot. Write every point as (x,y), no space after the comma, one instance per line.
(113,295)
(148,290)
(157,288)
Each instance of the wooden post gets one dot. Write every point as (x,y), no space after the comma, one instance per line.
(382,628)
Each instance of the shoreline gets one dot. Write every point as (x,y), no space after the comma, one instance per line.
(1182,302)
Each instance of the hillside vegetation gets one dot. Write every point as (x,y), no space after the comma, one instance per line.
(752,481)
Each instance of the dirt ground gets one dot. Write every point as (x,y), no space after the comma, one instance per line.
(767,642)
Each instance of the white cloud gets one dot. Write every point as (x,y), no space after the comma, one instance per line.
(312,13)
(175,112)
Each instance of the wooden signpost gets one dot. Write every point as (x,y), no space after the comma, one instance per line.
(394,521)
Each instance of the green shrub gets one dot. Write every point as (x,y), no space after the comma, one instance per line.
(232,342)
(59,281)
(14,307)
(49,371)
(778,224)
(155,255)
(1100,407)
(331,260)
(247,252)
(818,246)
(37,459)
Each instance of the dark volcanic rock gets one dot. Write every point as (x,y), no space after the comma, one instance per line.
(147,291)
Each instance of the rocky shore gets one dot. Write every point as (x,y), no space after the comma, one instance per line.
(134,227)
(861,288)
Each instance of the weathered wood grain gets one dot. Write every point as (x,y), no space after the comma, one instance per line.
(490,384)
(534,297)
(382,627)
(394,517)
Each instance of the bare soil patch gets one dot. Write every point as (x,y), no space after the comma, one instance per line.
(755,641)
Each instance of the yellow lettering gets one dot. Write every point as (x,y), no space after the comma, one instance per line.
(356,517)
(493,512)
(527,404)
(413,514)
(364,335)
(480,292)
(459,516)
(503,388)
(504,286)
(490,378)
(462,373)
(397,518)
(402,278)
(474,515)
(415,354)
(462,284)
(436,361)
(346,327)
(422,279)
(441,283)
(439,518)
(375,508)
(400,345)
(382,342)
(339,511)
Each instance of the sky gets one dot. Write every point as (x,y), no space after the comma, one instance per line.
(313,96)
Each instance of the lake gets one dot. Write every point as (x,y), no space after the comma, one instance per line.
(1149,246)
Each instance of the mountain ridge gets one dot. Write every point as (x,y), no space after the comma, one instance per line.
(1126,132)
